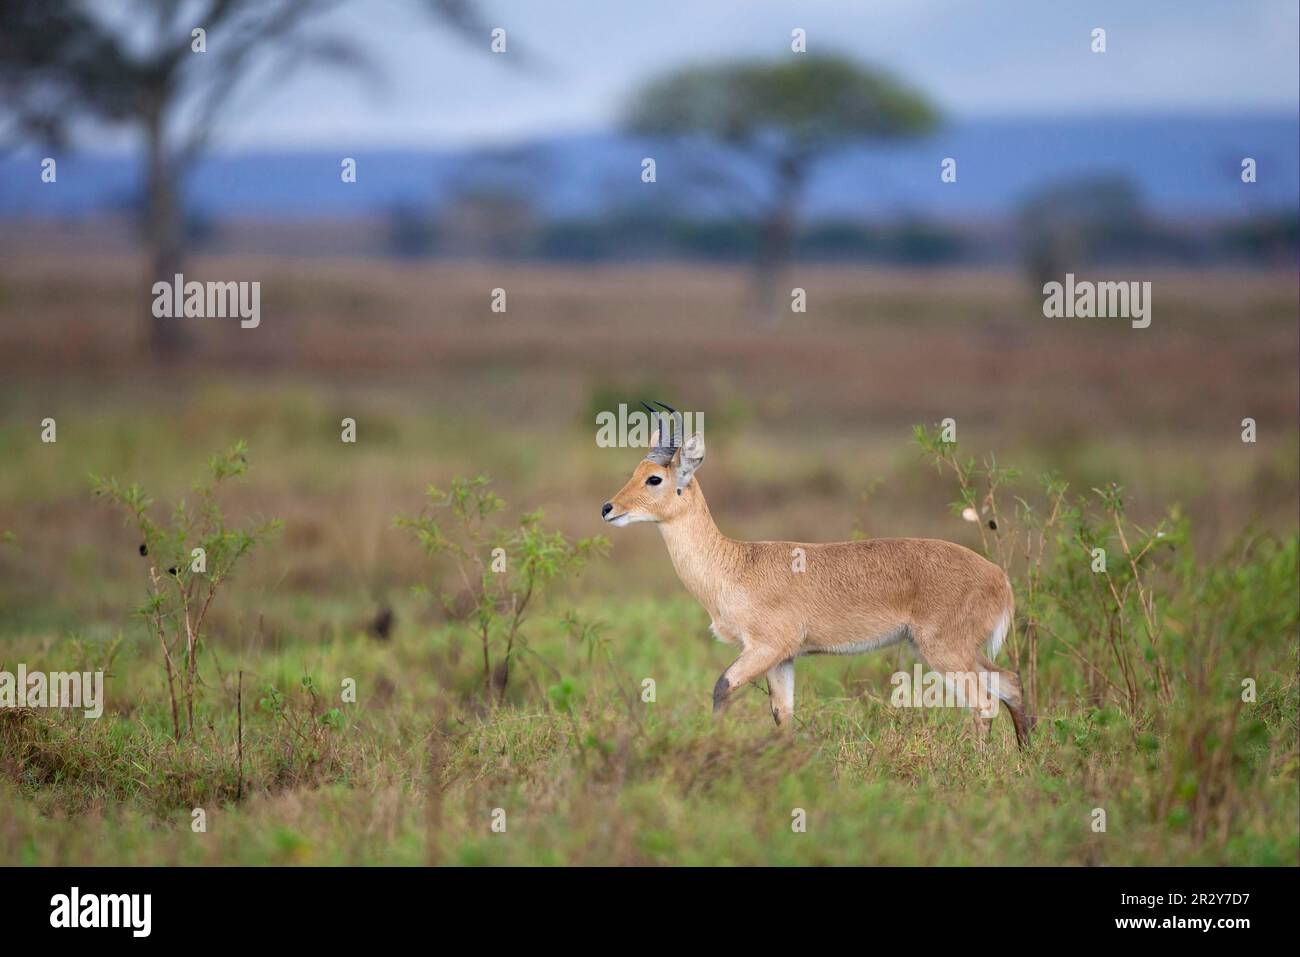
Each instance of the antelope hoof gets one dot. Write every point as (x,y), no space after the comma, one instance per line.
(720,692)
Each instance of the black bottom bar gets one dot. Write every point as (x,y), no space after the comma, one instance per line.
(997,907)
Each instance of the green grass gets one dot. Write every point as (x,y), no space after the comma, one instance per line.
(598,776)
(585,771)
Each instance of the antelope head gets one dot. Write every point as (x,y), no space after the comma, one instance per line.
(660,488)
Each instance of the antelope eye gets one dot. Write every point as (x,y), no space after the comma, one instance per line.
(653,480)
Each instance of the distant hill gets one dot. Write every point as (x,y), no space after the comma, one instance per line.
(1182,166)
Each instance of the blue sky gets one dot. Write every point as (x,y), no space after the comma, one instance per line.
(987,58)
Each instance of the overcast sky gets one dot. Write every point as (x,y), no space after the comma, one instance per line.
(991,57)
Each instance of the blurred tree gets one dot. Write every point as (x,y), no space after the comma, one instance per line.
(1262,238)
(63,62)
(785,117)
(411,232)
(491,224)
(491,210)
(1068,225)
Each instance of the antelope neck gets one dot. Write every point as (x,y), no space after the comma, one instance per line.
(703,557)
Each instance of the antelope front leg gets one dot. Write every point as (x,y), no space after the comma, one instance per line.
(756,660)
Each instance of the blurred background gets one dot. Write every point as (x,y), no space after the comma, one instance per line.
(503,145)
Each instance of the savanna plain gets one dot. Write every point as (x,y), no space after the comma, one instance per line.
(564,696)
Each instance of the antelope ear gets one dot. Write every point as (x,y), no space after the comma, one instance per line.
(689,458)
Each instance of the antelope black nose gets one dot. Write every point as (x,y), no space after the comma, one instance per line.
(606,509)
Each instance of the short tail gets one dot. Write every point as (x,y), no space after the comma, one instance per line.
(999,633)
(1007,685)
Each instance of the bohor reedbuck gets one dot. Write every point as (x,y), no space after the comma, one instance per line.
(778,601)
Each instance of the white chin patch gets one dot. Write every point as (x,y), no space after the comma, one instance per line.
(629,518)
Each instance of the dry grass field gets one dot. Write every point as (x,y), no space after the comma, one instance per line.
(810,438)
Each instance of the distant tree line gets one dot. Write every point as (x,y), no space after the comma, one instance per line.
(1044,250)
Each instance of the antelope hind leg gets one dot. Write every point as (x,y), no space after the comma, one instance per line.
(780,687)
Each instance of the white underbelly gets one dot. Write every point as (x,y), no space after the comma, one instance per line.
(857,646)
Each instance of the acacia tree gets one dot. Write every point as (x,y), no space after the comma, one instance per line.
(785,118)
(1070,223)
(136,65)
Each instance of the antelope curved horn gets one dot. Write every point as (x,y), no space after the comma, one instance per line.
(670,434)
(678,434)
